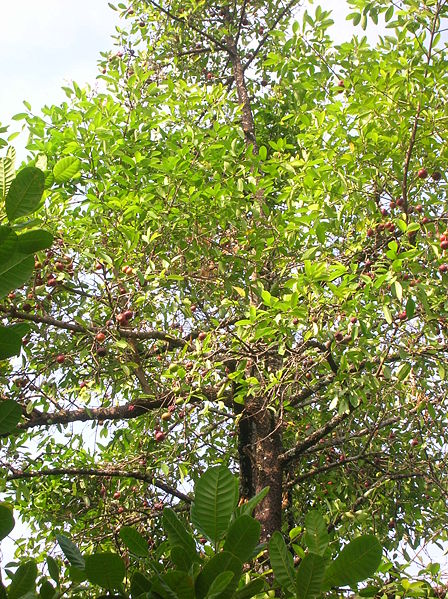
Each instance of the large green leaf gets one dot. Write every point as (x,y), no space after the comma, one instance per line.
(47,591)
(356,562)
(221,562)
(139,584)
(25,193)
(174,585)
(215,498)
(53,568)
(249,506)
(252,588)
(178,534)
(10,414)
(107,570)
(71,551)
(6,176)
(309,576)
(181,558)
(316,535)
(18,274)
(243,537)
(219,585)
(24,580)
(34,241)
(10,342)
(6,520)
(134,541)
(282,561)
(65,169)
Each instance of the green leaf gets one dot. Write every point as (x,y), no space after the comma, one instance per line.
(139,584)
(71,551)
(53,568)
(410,308)
(309,576)
(10,342)
(281,561)
(34,241)
(404,371)
(24,580)
(6,520)
(248,507)
(134,541)
(25,192)
(6,176)
(316,535)
(387,315)
(356,562)
(215,498)
(252,588)
(15,276)
(47,590)
(65,169)
(242,537)
(221,562)
(107,570)
(10,415)
(220,583)
(178,534)
(181,558)
(174,585)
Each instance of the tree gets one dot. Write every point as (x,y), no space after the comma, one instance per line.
(249,269)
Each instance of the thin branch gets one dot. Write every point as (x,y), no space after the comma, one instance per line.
(102,473)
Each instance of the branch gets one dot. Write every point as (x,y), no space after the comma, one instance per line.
(19,475)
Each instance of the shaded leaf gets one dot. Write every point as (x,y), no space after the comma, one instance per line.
(107,570)
(10,415)
(7,522)
(281,561)
(25,193)
(134,541)
(71,551)
(309,576)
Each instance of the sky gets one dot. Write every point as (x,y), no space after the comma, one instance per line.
(45,44)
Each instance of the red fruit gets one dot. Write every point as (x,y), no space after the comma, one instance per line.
(101,351)
(415,442)
(82,384)
(159,436)
(425,220)
(443,268)
(121,318)
(117,494)
(52,282)
(402,315)
(444,244)
(391,524)
(26,307)
(330,482)
(128,315)
(384,212)
(353,319)
(193,307)
(131,408)
(209,76)
(98,265)
(392,205)
(103,490)
(295,320)
(37,265)
(338,336)
(422,173)
(120,509)
(370,232)
(203,540)
(60,358)
(100,337)
(436,176)
(419,208)
(341,83)
(59,266)
(443,237)
(202,336)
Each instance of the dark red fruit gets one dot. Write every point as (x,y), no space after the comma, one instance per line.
(436,176)
(400,202)
(444,244)
(338,336)
(415,442)
(402,315)
(422,173)
(425,220)
(370,232)
(101,351)
(443,268)
(117,494)
(419,208)
(60,358)
(159,436)
(26,307)
(202,336)
(209,76)
(100,337)
(59,266)
(128,315)
(384,212)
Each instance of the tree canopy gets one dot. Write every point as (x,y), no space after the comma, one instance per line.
(248,270)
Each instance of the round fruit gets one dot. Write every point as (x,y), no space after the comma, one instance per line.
(100,337)
(117,494)
(370,232)
(422,173)
(419,208)
(159,436)
(128,315)
(338,336)
(166,416)
(384,212)
(202,336)
(26,307)
(402,315)
(415,442)
(436,175)
(425,220)
(59,266)
(443,268)
(444,244)
(101,351)
(400,201)
(60,358)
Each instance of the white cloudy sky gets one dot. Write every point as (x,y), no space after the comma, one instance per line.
(46,43)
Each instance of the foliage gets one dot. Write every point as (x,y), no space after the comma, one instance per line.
(248,268)
(177,570)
